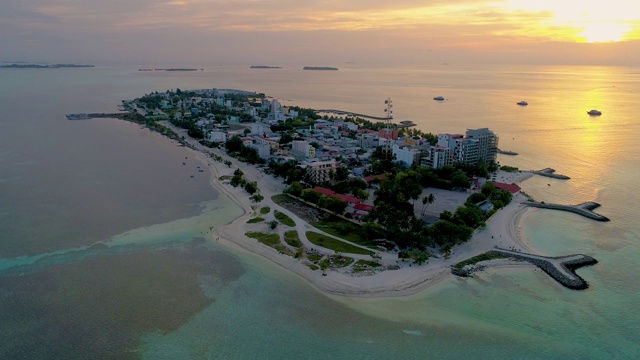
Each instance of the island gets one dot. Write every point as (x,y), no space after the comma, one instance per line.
(265,67)
(169,69)
(323,198)
(44,66)
(319,68)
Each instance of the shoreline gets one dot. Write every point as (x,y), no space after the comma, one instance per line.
(503,229)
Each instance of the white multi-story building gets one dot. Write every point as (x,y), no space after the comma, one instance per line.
(448,140)
(263,146)
(487,143)
(217,136)
(466,151)
(437,157)
(405,154)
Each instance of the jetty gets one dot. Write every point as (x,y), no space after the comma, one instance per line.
(549,172)
(585,209)
(351,114)
(129,116)
(507,152)
(561,269)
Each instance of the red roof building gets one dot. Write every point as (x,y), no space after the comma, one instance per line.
(373,177)
(512,188)
(363,207)
(324,191)
(350,199)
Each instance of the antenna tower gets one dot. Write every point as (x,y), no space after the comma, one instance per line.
(389,112)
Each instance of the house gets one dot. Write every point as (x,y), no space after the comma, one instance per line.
(512,188)
(486,206)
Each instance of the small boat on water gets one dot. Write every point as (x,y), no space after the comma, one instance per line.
(594,112)
(522,103)
(438,98)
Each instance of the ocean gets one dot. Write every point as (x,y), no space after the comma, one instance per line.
(105,249)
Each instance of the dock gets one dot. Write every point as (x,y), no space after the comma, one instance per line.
(585,209)
(549,172)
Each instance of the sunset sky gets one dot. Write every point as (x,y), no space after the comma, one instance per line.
(330,32)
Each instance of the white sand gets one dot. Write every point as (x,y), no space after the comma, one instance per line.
(502,230)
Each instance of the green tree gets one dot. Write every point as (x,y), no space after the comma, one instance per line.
(341,174)
(427,200)
(470,215)
(476,198)
(311,196)
(234,144)
(459,180)
(251,187)
(294,189)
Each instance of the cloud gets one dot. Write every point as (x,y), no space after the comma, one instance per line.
(326,26)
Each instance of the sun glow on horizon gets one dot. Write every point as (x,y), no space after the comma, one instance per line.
(605,32)
(588,21)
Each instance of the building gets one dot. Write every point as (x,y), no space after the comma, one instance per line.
(262,147)
(405,154)
(448,140)
(466,151)
(487,144)
(320,171)
(217,136)
(301,150)
(367,141)
(389,134)
(437,157)
(485,206)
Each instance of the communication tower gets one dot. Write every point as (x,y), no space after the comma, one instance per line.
(387,133)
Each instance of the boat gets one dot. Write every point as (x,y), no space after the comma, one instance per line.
(438,98)
(522,103)
(594,112)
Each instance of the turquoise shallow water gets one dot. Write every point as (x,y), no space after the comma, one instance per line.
(104,252)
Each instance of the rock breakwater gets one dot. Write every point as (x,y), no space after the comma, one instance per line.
(585,209)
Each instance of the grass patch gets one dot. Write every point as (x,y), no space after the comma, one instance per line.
(283,218)
(282,200)
(284,250)
(265,210)
(313,267)
(336,245)
(489,255)
(508,168)
(335,261)
(362,265)
(267,239)
(292,238)
(255,220)
(314,256)
(345,230)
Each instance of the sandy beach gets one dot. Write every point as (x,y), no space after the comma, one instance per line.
(502,230)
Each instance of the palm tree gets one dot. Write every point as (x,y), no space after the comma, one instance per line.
(426,201)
